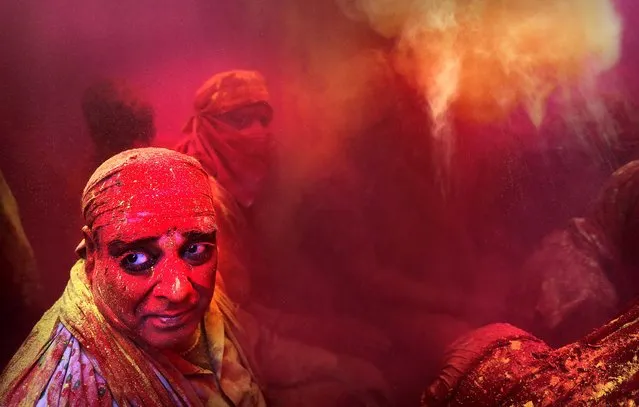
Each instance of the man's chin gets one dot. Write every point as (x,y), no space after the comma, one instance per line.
(179,338)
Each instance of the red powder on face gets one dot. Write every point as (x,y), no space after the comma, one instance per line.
(151,219)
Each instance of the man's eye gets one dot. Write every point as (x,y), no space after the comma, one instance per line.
(198,253)
(137,261)
(265,121)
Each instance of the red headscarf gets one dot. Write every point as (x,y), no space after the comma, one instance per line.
(136,181)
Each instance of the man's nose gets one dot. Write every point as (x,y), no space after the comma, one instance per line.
(174,284)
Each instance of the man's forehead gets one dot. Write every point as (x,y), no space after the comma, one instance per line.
(156,226)
(147,187)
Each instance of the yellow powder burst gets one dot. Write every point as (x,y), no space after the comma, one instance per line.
(484,58)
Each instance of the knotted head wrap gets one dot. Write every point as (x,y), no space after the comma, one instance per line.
(145,183)
(230,90)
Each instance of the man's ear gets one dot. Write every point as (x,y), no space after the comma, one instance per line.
(87,251)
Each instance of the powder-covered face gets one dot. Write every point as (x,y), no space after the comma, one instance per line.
(151,248)
(156,277)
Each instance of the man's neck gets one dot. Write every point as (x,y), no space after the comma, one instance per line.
(197,353)
(191,343)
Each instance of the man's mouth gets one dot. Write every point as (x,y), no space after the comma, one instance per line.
(173,319)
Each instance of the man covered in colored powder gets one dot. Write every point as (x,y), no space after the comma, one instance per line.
(230,135)
(136,324)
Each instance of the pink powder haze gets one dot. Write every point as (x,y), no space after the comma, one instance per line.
(351,137)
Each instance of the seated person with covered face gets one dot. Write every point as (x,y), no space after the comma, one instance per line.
(138,323)
(303,358)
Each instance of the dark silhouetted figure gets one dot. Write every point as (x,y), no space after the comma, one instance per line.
(118,118)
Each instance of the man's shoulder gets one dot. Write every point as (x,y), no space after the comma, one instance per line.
(60,372)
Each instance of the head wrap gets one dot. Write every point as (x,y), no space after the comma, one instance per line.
(141,183)
(235,159)
(230,90)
